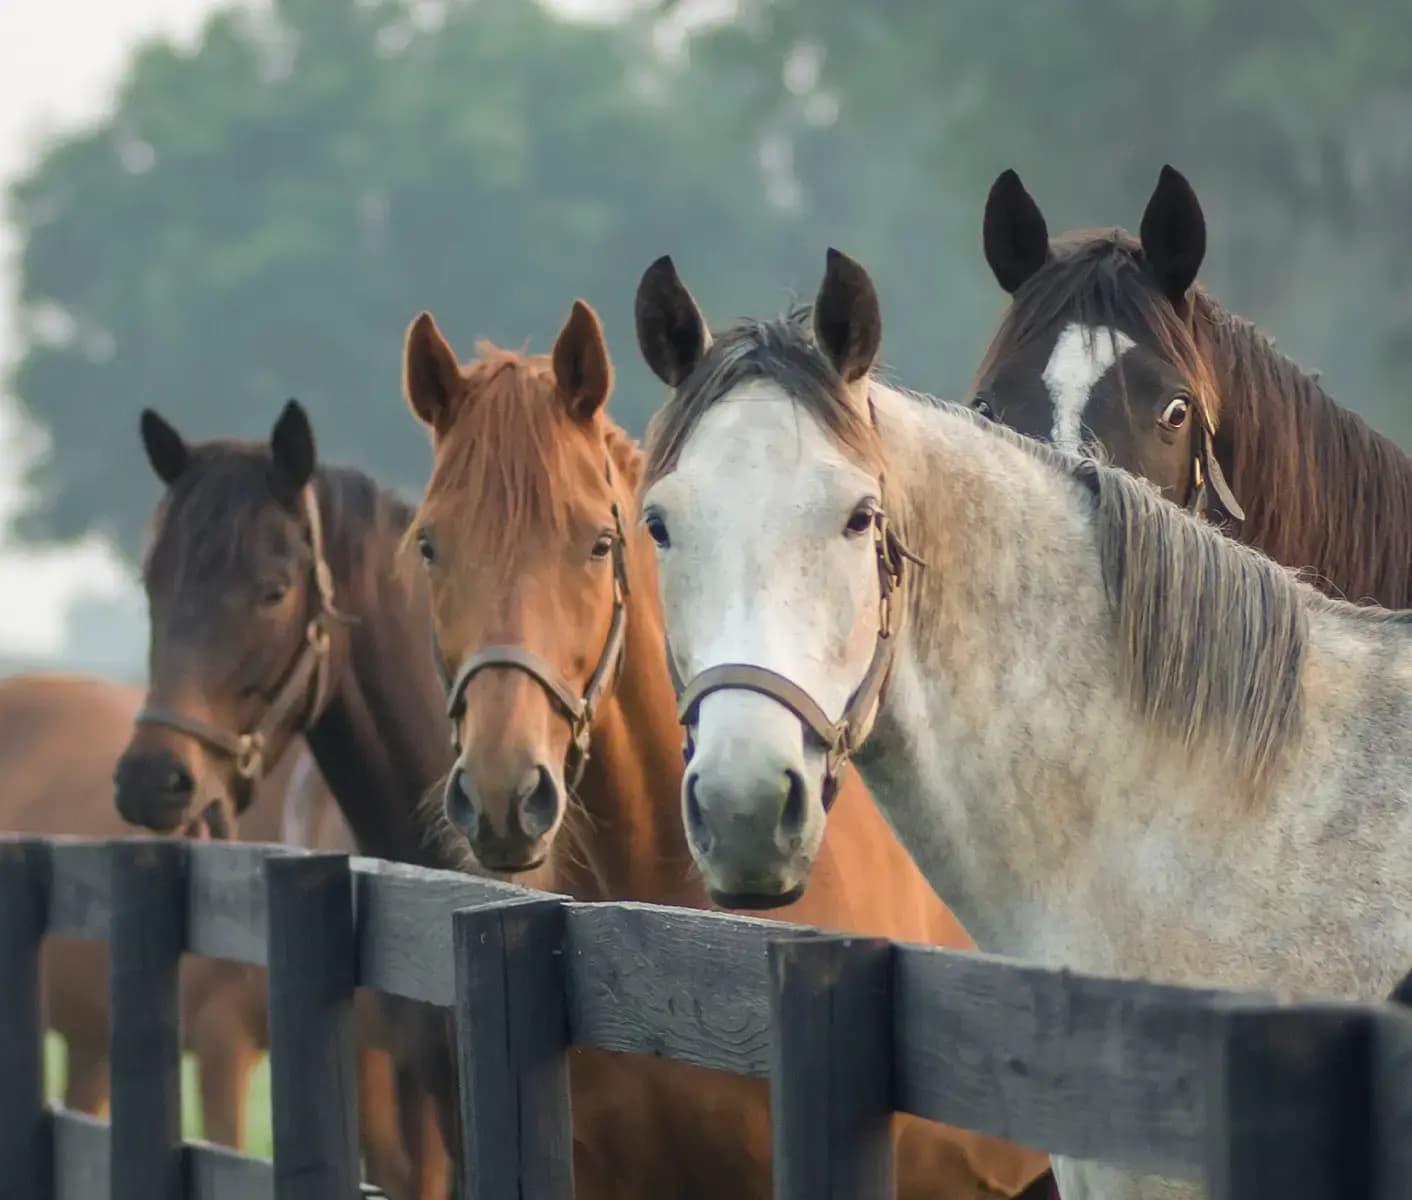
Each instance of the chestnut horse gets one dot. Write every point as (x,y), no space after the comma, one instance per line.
(277,613)
(544,605)
(59,738)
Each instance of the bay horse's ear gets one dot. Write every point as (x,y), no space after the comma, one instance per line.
(292,448)
(166,450)
(1173,235)
(847,317)
(583,372)
(1013,231)
(431,375)
(671,332)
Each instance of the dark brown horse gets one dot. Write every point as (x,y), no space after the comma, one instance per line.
(277,612)
(1109,342)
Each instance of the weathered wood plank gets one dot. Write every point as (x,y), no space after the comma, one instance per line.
(26,1154)
(311,978)
(676,983)
(81,1165)
(144,1036)
(1289,1102)
(405,944)
(219,1173)
(1092,1068)
(831,1067)
(80,887)
(512,1032)
(227,913)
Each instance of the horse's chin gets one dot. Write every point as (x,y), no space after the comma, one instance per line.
(757,901)
(214,823)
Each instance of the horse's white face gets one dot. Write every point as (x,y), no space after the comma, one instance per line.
(758,566)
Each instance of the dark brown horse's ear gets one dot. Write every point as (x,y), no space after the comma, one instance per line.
(166,450)
(292,448)
(582,369)
(1173,235)
(847,317)
(671,332)
(431,375)
(1013,231)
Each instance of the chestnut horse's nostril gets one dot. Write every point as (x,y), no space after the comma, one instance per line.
(697,831)
(538,803)
(460,802)
(792,813)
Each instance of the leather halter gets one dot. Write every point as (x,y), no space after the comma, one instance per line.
(1206,474)
(248,749)
(578,709)
(842,738)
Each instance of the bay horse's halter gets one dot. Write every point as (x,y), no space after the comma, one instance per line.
(842,738)
(578,709)
(1205,470)
(248,749)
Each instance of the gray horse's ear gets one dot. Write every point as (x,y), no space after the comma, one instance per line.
(292,448)
(166,449)
(847,317)
(671,332)
(1013,232)
(1173,235)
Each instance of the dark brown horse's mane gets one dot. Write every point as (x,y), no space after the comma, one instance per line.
(1322,491)
(208,519)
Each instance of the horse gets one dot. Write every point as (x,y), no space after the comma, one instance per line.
(548,631)
(1110,340)
(59,738)
(278,612)
(1079,706)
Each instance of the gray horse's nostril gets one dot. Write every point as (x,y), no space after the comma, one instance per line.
(460,802)
(696,828)
(793,812)
(539,803)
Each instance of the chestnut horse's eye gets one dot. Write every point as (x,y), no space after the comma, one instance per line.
(603,546)
(657,530)
(981,404)
(1175,414)
(860,520)
(425,547)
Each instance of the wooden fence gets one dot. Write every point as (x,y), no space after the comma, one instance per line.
(1261,1100)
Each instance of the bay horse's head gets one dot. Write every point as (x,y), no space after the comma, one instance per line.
(1098,349)
(239,597)
(521,532)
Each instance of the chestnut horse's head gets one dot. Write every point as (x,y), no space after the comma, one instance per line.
(521,532)
(240,598)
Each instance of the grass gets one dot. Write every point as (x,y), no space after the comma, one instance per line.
(259,1138)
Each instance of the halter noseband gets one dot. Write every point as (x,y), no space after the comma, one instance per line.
(248,749)
(579,709)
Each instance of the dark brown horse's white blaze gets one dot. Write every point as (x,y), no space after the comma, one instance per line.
(1109,342)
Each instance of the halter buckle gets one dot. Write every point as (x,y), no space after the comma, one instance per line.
(249,755)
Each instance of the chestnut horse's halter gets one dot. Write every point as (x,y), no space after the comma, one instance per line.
(579,709)
(842,738)
(248,749)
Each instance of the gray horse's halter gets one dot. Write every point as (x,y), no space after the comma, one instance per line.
(248,749)
(579,709)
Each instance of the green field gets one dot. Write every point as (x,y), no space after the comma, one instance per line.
(258,1137)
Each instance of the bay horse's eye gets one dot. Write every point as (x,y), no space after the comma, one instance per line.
(603,546)
(272,593)
(1175,414)
(657,530)
(981,404)
(860,520)
(425,547)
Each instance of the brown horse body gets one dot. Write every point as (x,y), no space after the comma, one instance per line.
(59,738)
(520,530)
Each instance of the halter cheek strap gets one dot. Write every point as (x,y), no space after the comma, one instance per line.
(1206,474)
(248,749)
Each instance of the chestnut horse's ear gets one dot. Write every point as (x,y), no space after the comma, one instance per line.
(431,375)
(671,332)
(847,317)
(292,448)
(166,450)
(582,369)
(1013,231)
(1173,235)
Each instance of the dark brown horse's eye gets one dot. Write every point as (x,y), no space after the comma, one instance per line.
(861,520)
(657,530)
(1175,414)
(603,546)
(272,593)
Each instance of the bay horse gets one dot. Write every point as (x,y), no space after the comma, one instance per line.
(1108,340)
(278,613)
(547,626)
(60,736)
(1112,738)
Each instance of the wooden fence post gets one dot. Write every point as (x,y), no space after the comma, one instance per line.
(146,938)
(1290,1101)
(312,972)
(831,1068)
(1392,1104)
(512,1043)
(26,1148)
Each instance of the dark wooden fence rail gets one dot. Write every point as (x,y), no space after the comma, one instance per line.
(1258,1099)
